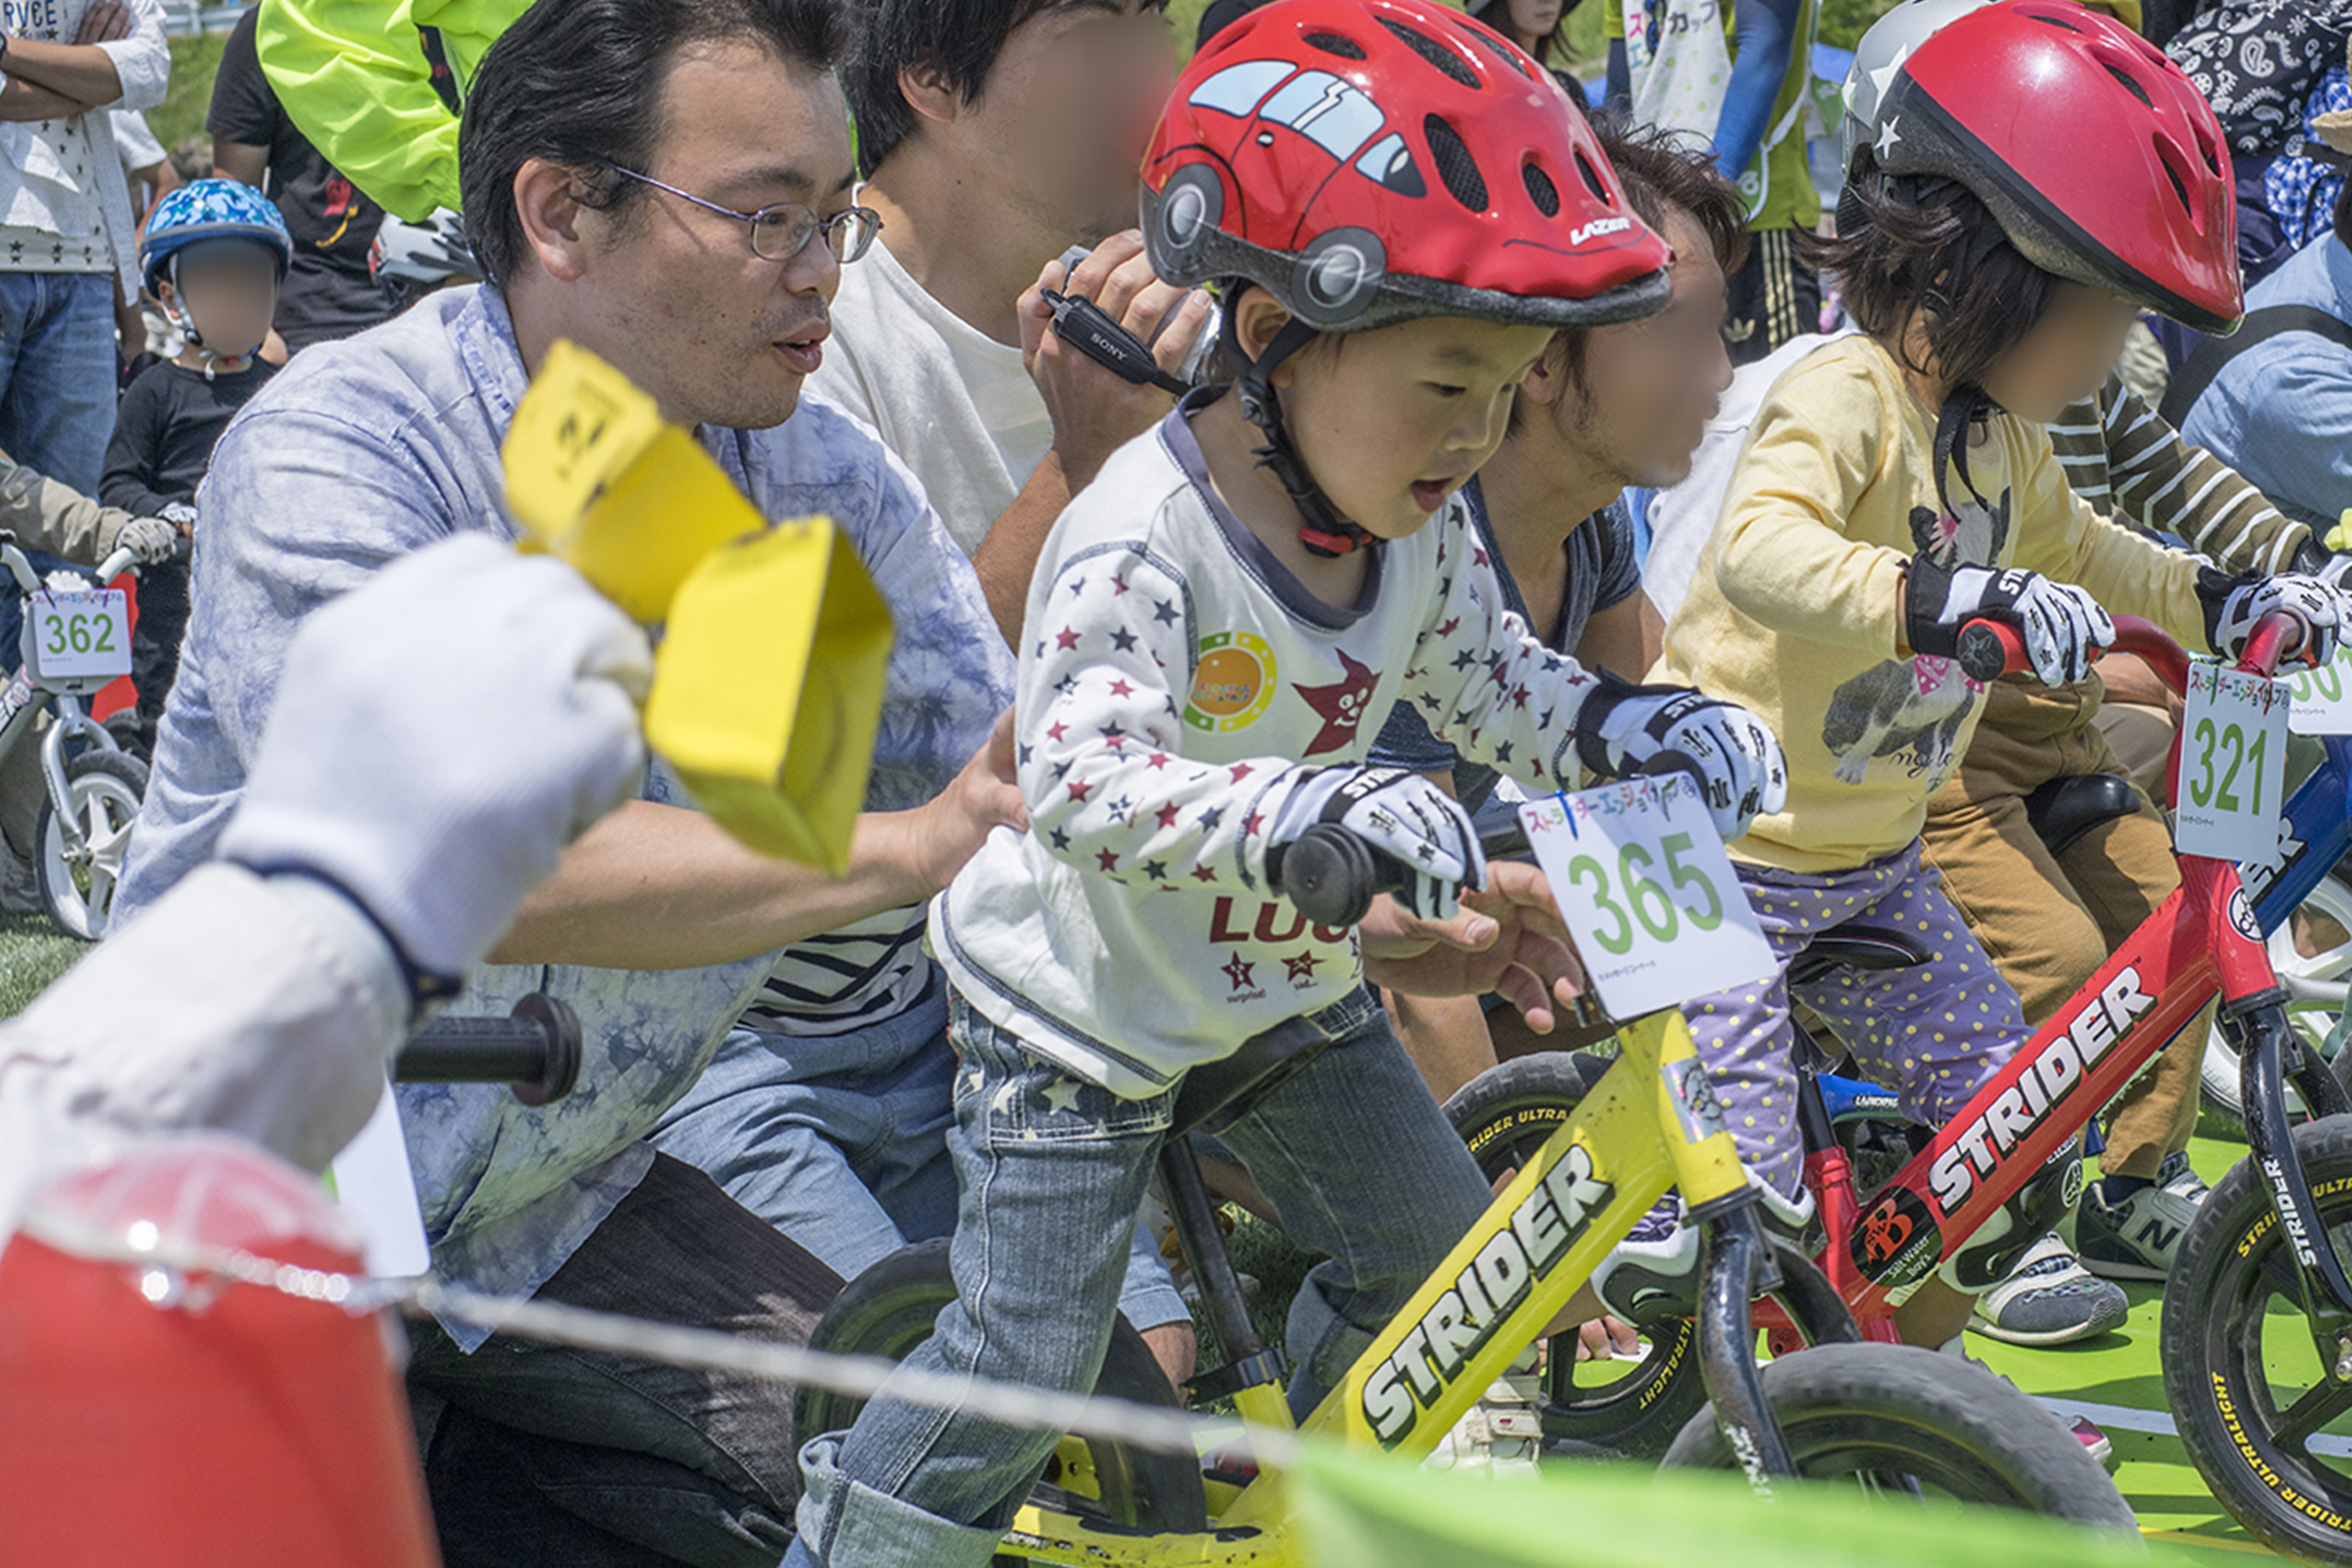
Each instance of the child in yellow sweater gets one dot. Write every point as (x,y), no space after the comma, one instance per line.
(2023,203)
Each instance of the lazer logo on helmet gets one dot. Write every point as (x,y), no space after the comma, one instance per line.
(1498,1279)
(2063,1063)
(1598,227)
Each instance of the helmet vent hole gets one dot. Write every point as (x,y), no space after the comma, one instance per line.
(1456,169)
(1339,44)
(1435,53)
(1507,57)
(2131,83)
(2047,20)
(2179,185)
(1592,177)
(1541,191)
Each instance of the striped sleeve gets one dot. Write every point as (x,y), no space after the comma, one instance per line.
(2118,454)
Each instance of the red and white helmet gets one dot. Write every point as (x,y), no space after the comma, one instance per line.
(2098,157)
(1371,160)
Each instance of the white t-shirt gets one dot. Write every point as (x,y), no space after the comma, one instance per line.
(1177,682)
(1682,518)
(955,405)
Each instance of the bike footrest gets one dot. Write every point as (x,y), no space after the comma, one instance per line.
(1268,1367)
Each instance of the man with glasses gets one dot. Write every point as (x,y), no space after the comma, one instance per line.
(668,183)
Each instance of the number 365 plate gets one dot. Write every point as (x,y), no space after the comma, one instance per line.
(1643,885)
(80,635)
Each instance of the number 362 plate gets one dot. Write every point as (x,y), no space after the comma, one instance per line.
(84,633)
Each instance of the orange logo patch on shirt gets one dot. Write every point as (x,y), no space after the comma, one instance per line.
(1232,683)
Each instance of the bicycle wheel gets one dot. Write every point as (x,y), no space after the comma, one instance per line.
(78,878)
(2264,1422)
(2219,1113)
(1868,1413)
(1633,1408)
(890,1308)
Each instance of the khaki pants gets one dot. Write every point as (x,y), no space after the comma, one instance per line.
(2049,922)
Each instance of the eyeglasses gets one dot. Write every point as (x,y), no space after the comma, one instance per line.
(781,230)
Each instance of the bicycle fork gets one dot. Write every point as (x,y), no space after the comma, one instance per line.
(2269,1052)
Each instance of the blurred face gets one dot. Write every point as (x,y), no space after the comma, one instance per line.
(1531,19)
(229,286)
(673,293)
(1648,388)
(1391,422)
(1068,108)
(2066,357)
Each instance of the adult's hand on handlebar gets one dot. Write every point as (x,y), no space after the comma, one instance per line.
(1093,410)
(149,539)
(384,771)
(1507,937)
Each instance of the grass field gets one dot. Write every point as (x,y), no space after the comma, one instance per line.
(32,955)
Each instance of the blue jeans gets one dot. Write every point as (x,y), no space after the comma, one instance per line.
(1352,1151)
(841,1142)
(58,372)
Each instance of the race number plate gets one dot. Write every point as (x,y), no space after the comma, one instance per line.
(2233,776)
(80,634)
(1641,879)
(2320,701)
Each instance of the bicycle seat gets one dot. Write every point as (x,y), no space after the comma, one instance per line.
(1214,1094)
(2064,809)
(1856,947)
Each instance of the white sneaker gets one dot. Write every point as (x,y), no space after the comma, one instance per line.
(2138,1237)
(1501,1434)
(2049,1298)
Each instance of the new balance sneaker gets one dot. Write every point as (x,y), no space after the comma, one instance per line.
(2049,1300)
(1501,1434)
(2138,1237)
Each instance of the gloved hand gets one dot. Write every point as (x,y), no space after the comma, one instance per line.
(1622,726)
(2061,622)
(439,735)
(2233,604)
(1403,816)
(151,539)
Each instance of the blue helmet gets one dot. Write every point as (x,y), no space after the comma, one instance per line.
(212,209)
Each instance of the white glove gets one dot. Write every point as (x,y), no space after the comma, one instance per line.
(1620,727)
(439,736)
(151,539)
(2233,604)
(1403,816)
(2061,624)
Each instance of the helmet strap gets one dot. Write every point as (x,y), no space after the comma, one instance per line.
(1324,532)
(1966,406)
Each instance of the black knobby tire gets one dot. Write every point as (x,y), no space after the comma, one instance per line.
(1630,1409)
(890,1308)
(2231,1298)
(102,787)
(1869,1412)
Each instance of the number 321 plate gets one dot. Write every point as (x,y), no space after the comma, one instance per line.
(80,635)
(1643,885)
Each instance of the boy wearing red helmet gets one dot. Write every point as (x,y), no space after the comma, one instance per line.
(1400,207)
(1899,483)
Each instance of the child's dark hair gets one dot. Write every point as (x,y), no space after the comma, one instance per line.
(1926,245)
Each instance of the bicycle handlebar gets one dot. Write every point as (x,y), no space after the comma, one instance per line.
(536,1048)
(14,561)
(1331,875)
(1988,650)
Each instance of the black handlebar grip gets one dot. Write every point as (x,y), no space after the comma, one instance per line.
(1982,651)
(536,1048)
(1330,875)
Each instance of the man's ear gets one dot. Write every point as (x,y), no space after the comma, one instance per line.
(547,201)
(929,93)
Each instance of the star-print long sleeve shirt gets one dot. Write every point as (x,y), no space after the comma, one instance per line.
(1177,683)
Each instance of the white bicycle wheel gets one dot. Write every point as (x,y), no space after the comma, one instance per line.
(2313,1019)
(78,870)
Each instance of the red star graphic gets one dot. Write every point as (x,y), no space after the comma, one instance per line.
(1301,965)
(1066,638)
(1518,696)
(1251,825)
(1118,586)
(1203,874)
(1447,629)
(1167,815)
(1477,556)
(1239,971)
(1242,770)
(1341,704)
(1080,791)
(1107,859)
(1121,688)
(1056,730)
(1156,760)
